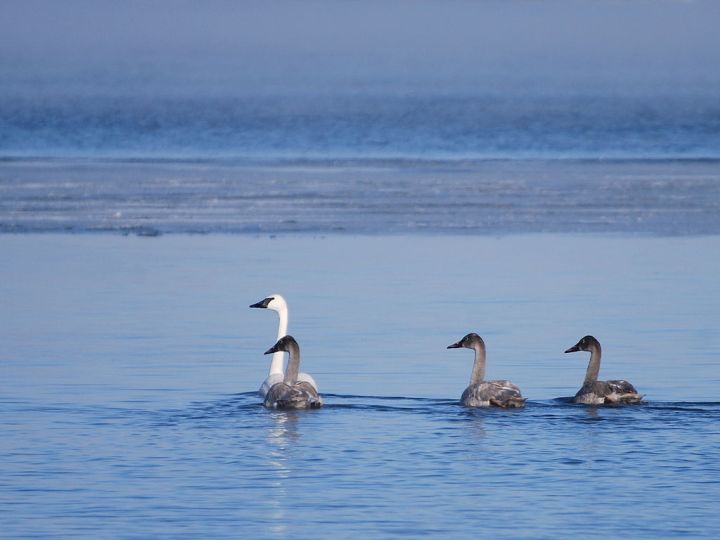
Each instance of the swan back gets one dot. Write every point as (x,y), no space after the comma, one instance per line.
(501,393)
(297,396)
(607,393)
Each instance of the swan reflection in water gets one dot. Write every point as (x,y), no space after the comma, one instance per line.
(282,434)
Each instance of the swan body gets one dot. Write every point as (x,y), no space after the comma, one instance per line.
(277,303)
(492,393)
(291,393)
(482,393)
(595,392)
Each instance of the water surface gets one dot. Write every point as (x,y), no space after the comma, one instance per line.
(361,124)
(656,197)
(129,370)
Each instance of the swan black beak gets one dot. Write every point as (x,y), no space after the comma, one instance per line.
(263,303)
(574,348)
(272,349)
(454,345)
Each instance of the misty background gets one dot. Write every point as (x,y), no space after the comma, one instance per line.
(359,80)
(162,46)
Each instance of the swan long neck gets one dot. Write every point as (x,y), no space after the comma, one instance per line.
(276,365)
(593,370)
(478,372)
(293,367)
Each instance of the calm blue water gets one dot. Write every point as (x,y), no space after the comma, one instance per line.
(372,162)
(371,125)
(129,367)
(533,173)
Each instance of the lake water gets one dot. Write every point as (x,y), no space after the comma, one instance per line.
(129,367)
(333,125)
(394,223)
(667,197)
(403,176)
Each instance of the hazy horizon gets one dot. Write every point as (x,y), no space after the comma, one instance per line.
(219,47)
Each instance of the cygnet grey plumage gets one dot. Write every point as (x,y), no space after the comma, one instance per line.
(291,393)
(482,393)
(594,392)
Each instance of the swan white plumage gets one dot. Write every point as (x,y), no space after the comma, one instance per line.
(276,373)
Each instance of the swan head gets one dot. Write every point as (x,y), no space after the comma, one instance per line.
(284,344)
(470,341)
(588,343)
(275,302)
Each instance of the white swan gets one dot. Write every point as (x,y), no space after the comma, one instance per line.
(291,393)
(276,374)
